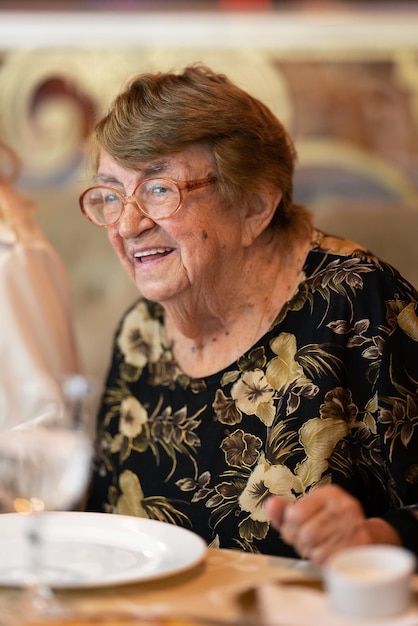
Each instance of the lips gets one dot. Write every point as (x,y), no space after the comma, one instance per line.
(151,254)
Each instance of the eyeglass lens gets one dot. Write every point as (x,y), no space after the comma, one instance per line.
(157,198)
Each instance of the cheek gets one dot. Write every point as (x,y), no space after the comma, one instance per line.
(197,249)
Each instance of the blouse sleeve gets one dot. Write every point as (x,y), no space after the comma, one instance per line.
(405,522)
(397,418)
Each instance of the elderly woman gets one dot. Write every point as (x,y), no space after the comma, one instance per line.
(267,376)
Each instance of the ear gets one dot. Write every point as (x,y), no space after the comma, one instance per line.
(258,214)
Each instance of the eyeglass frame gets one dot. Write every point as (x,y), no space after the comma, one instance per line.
(190,185)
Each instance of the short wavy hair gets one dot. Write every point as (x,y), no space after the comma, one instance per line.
(163,113)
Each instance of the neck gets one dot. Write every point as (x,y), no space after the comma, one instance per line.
(208,333)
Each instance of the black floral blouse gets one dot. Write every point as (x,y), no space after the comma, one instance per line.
(329,394)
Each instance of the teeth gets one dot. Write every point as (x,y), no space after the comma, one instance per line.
(139,255)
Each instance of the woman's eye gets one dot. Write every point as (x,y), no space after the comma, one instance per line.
(160,189)
(110,198)
(156,187)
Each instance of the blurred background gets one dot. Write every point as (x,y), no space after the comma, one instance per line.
(341,75)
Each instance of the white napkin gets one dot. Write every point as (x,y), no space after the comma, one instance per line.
(296,605)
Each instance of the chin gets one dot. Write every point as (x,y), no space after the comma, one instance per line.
(155,293)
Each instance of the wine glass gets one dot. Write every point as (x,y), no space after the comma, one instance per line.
(45,455)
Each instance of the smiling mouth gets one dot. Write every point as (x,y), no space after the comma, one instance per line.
(152,254)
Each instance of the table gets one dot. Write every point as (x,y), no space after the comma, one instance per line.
(209,592)
(212,592)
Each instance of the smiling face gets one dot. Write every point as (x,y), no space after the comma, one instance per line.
(192,251)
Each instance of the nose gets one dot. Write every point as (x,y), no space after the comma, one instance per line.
(132,221)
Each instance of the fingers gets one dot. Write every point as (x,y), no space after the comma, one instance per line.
(275,507)
(320,523)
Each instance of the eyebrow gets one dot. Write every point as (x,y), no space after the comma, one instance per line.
(155,167)
(145,172)
(107,179)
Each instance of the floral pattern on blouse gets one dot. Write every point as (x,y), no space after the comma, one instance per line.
(328,395)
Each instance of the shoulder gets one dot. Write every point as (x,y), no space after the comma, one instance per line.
(333,244)
(339,265)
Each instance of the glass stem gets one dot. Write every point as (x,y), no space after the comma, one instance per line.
(39,597)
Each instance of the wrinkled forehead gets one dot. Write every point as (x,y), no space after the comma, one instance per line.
(105,161)
(194,158)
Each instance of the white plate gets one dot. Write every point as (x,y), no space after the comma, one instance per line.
(96,549)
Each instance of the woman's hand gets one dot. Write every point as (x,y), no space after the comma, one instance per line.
(325,521)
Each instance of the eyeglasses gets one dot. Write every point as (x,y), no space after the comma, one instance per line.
(157,198)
